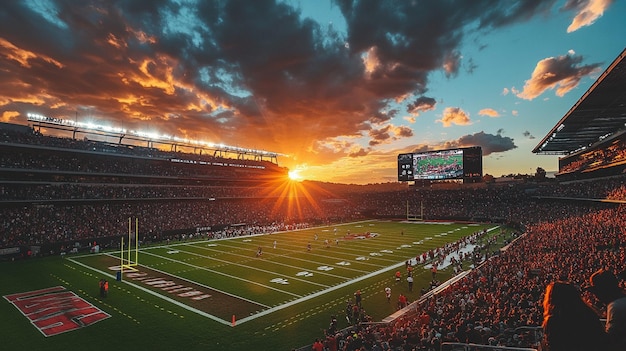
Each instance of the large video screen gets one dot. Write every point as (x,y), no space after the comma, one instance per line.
(462,163)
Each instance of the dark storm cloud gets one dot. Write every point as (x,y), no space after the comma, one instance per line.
(379,136)
(383,116)
(413,38)
(237,70)
(490,143)
(421,104)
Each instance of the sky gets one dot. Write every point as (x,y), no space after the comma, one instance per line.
(337,87)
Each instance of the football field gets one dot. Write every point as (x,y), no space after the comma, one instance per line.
(274,291)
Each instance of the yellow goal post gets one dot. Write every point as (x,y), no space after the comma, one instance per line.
(132,246)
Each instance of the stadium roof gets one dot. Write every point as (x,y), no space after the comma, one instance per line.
(598,114)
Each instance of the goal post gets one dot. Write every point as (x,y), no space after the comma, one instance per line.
(132,247)
(414,216)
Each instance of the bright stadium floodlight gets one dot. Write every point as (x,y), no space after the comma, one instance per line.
(154,136)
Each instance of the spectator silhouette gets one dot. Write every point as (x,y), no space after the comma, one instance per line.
(568,323)
(605,286)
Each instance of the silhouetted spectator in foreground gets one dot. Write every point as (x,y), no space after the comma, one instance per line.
(568,323)
(605,286)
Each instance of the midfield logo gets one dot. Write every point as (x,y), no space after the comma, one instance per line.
(56,310)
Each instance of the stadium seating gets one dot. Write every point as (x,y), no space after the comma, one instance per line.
(57,192)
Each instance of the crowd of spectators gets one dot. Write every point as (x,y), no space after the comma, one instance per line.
(563,240)
(47,224)
(613,188)
(614,154)
(37,191)
(505,294)
(33,151)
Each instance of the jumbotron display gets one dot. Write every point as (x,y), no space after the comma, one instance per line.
(462,163)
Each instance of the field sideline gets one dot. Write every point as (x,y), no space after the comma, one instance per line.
(220,294)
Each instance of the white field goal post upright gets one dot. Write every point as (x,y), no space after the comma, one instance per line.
(415,216)
(126,254)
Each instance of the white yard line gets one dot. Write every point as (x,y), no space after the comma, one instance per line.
(224,274)
(199,284)
(259,314)
(156,294)
(231,263)
(315,252)
(320,293)
(268,253)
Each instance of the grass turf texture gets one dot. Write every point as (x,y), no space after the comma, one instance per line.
(270,316)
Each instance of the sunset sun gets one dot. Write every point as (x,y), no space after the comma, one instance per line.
(295,175)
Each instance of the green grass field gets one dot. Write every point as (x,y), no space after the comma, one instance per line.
(184,295)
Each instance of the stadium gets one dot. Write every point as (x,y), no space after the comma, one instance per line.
(117,239)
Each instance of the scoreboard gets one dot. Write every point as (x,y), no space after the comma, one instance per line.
(461,163)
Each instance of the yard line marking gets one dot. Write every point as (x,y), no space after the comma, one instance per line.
(220,273)
(320,293)
(311,254)
(273,262)
(319,251)
(259,269)
(200,284)
(156,294)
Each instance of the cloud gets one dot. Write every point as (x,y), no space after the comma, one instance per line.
(515,12)
(389,133)
(220,71)
(421,104)
(379,136)
(9,116)
(358,152)
(505,91)
(422,148)
(587,12)
(454,115)
(489,112)
(528,135)
(489,143)
(403,132)
(451,64)
(562,73)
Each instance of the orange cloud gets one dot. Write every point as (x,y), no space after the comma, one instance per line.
(371,61)
(588,12)
(9,116)
(563,73)
(454,115)
(114,41)
(23,57)
(489,112)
